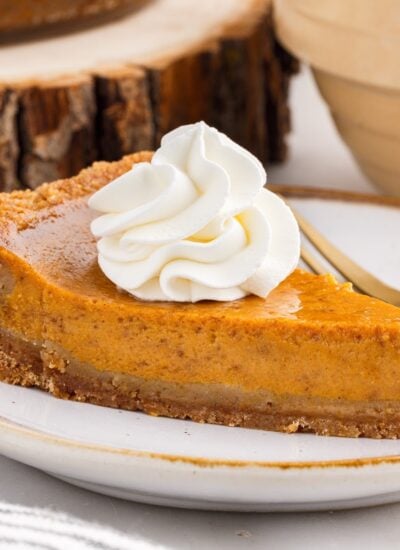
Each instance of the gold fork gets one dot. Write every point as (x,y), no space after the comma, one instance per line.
(361,279)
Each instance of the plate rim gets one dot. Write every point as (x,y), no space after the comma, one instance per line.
(202,462)
(331,194)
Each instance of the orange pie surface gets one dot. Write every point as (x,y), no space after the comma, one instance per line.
(313,356)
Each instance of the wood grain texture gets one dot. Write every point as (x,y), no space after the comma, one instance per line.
(124,112)
(27,16)
(237,83)
(56,127)
(9,148)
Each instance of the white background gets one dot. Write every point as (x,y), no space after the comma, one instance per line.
(317,158)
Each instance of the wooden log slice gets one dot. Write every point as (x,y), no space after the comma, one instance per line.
(103,92)
(22,18)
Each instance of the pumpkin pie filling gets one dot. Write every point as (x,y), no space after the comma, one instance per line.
(312,356)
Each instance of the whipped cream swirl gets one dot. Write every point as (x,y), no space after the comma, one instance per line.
(195,223)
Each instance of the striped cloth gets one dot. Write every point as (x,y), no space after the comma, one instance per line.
(24,528)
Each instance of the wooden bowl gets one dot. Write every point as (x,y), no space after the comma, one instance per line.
(353,47)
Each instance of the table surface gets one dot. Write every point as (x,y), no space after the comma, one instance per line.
(317,157)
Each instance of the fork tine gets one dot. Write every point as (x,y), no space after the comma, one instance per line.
(361,278)
(312,262)
(316,267)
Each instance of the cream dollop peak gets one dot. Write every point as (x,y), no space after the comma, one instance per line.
(195,223)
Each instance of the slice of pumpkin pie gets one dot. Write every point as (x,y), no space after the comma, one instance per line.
(167,284)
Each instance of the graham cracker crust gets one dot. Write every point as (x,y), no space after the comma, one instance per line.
(43,366)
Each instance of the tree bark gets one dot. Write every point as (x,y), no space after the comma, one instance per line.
(56,129)
(8,139)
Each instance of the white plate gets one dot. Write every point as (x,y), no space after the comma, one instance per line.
(180,463)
